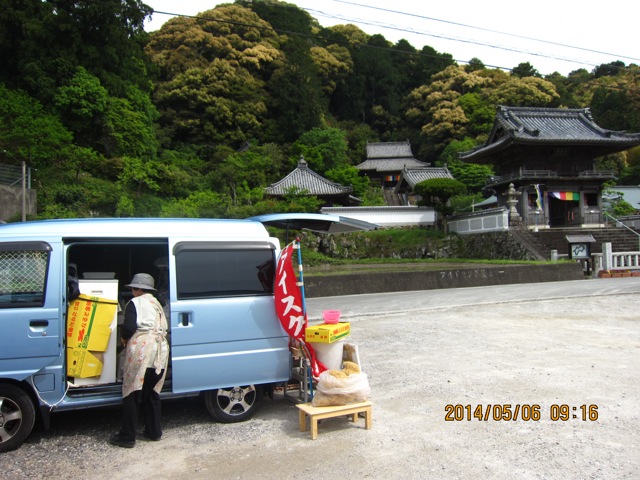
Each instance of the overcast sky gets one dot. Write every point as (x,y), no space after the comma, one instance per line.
(552,35)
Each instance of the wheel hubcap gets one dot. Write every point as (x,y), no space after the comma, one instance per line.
(10,419)
(236,395)
(236,400)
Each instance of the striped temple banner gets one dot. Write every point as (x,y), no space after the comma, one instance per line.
(566,195)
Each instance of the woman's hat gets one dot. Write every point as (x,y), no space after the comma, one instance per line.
(143,281)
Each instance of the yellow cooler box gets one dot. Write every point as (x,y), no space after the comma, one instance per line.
(82,363)
(89,330)
(327,333)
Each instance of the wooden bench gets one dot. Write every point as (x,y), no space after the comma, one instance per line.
(318,413)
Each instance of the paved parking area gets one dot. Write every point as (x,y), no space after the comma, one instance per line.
(448,370)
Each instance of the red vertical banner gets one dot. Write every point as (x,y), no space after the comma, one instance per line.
(289,304)
(288,296)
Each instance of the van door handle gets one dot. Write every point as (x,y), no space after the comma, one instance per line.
(184,319)
(39,323)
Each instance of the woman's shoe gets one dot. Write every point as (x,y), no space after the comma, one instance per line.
(116,439)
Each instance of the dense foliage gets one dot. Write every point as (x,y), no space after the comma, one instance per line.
(197,118)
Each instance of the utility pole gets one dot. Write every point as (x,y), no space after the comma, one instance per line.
(24,191)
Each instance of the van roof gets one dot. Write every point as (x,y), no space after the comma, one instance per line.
(136,227)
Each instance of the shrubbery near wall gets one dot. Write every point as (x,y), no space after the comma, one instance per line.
(413,243)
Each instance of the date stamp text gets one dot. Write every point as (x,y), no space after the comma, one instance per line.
(507,412)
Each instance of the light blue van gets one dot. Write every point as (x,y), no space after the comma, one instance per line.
(216,277)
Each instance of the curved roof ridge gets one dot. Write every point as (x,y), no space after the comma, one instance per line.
(303,178)
(548,126)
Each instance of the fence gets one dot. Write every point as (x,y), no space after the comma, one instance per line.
(10,174)
(616,262)
(492,220)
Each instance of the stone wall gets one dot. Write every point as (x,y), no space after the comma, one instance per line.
(11,203)
(489,246)
(484,246)
(360,283)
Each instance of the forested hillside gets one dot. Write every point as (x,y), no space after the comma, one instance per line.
(197,118)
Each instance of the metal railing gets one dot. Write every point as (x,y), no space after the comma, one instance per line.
(521,174)
(621,224)
(533,174)
(597,173)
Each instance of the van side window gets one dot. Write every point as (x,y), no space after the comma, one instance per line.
(208,269)
(23,274)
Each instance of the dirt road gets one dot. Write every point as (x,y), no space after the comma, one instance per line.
(576,362)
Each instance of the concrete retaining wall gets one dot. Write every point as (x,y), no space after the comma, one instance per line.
(358,283)
(11,202)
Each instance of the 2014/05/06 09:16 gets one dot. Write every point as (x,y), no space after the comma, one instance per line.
(566,412)
(514,412)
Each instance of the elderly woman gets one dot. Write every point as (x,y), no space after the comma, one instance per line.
(143,334)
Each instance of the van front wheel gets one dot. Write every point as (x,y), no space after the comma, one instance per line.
(233,404)
(17,417)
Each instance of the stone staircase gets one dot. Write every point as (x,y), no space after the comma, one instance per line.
(541,243)
(391,198)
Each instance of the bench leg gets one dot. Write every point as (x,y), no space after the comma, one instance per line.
(368,418)
(302,421)
(314,427)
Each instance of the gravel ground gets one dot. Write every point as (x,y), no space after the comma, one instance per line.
(529,353)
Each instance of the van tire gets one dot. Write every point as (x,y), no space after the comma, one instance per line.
(233,404)
(17,417)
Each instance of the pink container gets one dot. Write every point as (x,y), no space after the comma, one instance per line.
(331,316)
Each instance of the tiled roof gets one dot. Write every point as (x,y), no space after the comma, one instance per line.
(306,179)
(390,164)
(549,126)
(389,150)
(629,193)
(413,176)
(389,157)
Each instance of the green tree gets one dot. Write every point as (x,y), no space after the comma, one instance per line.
(523,70)
(474,65)
(139,175)
(349,176)
(214,76)
(296,79)
(616,162)
(615,103)
(205,204)
(437,192)
(333,64)
(43,43)
(82,104)
(525,92)
(431,62)
(322,149)
(240,172)
(463,203)
(436,111)
(29,133)
(358,135)
(630,175)
(608,69)
(479,111)
(473,175)
(297,200)
(130,126)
